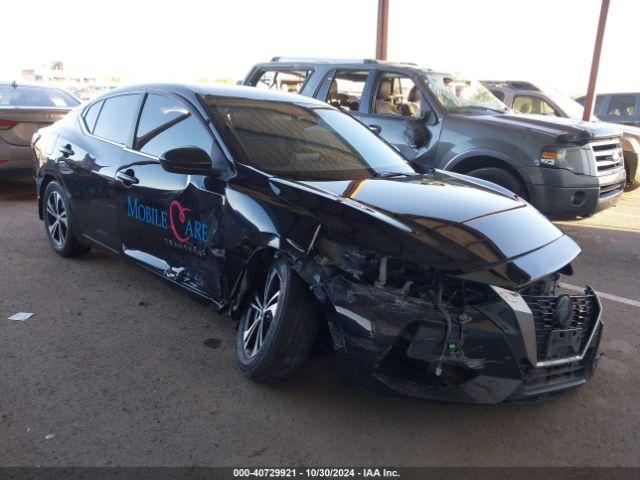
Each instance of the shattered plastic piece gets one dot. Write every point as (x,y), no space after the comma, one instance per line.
(20,316)
(49,436)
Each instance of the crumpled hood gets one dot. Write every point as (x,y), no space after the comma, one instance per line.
(450,222)
(564,130)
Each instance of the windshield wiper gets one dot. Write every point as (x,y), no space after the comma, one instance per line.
(392,174)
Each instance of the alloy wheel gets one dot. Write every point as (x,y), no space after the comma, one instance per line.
(56,215)
(260,315)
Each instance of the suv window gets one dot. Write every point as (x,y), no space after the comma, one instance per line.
(346,88)
(167,123)
(398,96)
(91,115)
(532,105)
(622,106)
(283,80)
(116,117)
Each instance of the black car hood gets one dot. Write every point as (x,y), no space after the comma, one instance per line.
(449,222)
(564,130)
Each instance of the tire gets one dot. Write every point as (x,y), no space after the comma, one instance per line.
(59,221)
(501,177)
(276,337)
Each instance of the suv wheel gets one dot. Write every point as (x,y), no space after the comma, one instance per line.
(58,222)
(277,330)
(501,177)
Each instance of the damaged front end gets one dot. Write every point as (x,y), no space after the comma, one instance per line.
(411,329)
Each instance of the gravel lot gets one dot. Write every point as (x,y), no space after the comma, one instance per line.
(123,370)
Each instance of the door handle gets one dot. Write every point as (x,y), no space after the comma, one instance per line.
(375,128)
(66,151)
(127,177)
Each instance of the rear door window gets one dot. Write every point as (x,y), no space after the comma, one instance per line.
(167,123)
(290,81)
(115,120)
(345,90)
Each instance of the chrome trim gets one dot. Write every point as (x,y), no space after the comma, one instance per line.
(153,157)
(524,317)
(606,141)
(577,358)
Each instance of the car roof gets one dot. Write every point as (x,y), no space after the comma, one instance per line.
(512,85)
(364,63)
(251,93)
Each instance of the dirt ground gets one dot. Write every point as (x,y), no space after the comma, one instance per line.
(117,368)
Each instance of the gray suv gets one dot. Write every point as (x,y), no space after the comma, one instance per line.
(530,99)
(563,167)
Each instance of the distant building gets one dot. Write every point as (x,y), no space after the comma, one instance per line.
(83,84)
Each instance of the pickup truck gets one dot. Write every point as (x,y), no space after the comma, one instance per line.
(565,168)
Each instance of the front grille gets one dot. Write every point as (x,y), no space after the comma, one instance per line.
(536,378)
(585,316)
(608,154)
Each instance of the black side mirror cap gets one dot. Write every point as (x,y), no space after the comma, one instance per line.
(189,161)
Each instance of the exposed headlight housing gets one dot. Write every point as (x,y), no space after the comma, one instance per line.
(574,158)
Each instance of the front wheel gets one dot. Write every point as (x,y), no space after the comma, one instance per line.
(58,222)
(278,328)
(501,177)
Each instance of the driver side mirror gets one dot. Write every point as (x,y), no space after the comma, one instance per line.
(189,161)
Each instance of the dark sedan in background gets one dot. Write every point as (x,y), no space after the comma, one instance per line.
(24,109)
(292,216)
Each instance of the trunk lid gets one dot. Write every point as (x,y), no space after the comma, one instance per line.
(22,122)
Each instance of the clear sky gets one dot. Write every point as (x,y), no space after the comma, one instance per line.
(187,40)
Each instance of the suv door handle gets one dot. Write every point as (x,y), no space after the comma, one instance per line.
(127,177)
(66,151)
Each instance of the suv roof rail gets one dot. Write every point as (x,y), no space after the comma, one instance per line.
(322,60)
(336,60)
(519,84)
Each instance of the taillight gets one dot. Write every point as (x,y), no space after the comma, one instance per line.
(6,124)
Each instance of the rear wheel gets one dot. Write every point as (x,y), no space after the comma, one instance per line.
(58,223)
(277,330)
(501,177)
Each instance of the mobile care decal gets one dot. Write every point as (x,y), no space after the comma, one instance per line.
(176,220)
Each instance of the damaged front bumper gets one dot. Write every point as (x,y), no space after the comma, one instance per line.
(509,347)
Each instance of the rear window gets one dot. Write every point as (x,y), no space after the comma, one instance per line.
(91,115)
(35,97)
(116,117)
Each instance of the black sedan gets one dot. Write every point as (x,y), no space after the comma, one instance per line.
(290,215)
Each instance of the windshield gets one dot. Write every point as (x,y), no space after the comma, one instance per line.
(35,97)
(462,96)
(302,142)
(572,108)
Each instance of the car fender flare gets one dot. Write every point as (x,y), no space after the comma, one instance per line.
(497,155)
